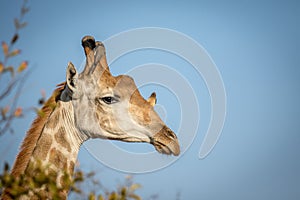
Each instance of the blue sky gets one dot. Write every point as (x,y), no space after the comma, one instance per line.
(255,46)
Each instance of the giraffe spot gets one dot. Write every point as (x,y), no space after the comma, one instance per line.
(61,139)
(140,108)
(53,121)
(104,123)
(42,147)
(52,172)
(146,117)
(58,159)
(141,114)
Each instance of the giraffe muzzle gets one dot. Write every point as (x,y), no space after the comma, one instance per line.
(166,142)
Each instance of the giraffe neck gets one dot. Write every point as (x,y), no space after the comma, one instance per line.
(56,149)
(52,141)
(60,140)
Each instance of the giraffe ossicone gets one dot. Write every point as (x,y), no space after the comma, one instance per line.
(92,104)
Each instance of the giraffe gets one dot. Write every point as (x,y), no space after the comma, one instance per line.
(90,104)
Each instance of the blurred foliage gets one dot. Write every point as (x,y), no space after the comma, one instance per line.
(12,76)
(35,178)
(43,182)
(125,191)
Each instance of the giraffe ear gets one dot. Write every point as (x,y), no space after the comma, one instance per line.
(72,77)
(152,99)
(71,85)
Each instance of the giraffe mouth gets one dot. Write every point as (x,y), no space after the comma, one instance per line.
(169,149)
(166,142)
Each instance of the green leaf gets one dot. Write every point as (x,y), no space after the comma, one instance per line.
(14,53)
(40,112)
(4,111)
(1,67)
(22,66)
(135,186)
(92,196)
(10,69)
(100,197)
(18,112)
(134,196)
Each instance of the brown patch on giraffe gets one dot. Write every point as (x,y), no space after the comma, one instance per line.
(61,139)
(104,123)
(99,109)
(52,172)
(34,132)
(58,159)
(140,108)
(42,147)
(106,77)
(55,120)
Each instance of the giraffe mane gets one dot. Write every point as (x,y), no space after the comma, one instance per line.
(34,133)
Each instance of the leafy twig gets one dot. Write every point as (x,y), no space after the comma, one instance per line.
(15,83)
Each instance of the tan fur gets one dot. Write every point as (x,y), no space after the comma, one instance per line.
(32,136)
(140,107)
(58,159)
(53,123)
(41,150)
(61,139)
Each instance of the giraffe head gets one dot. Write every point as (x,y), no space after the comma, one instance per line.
(111,107)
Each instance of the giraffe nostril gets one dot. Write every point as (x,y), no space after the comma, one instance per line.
(171,135)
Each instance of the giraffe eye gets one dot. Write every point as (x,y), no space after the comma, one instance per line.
(109,100)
